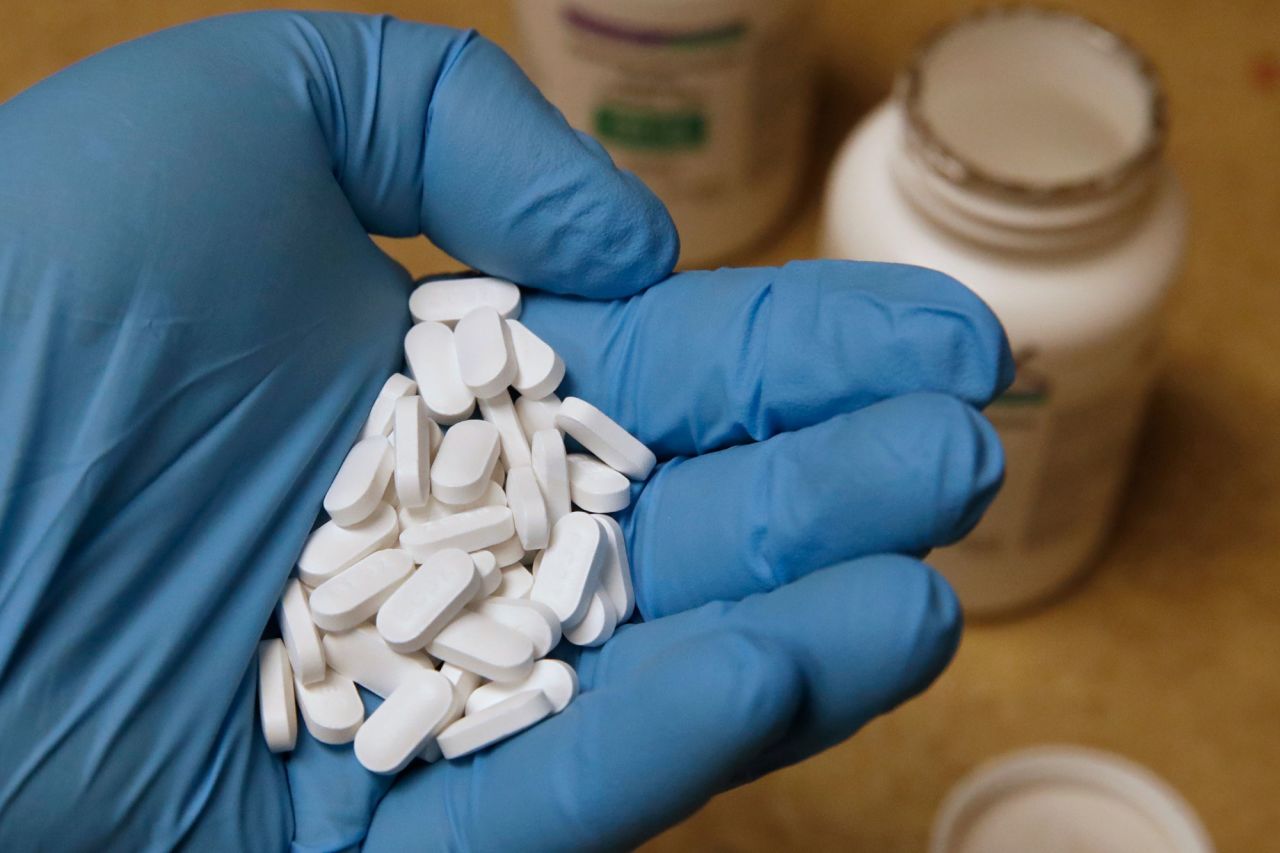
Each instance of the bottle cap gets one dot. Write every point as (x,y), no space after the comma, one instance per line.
(1065,799)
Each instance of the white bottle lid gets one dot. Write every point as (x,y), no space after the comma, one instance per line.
(1065,799)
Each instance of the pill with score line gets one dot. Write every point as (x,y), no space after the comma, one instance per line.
(425,603)
(474,530)
(331,547)
(354,595)
(570,567)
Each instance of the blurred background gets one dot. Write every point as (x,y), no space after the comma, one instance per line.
(1168,651)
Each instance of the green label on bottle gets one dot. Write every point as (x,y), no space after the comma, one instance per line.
(644,128)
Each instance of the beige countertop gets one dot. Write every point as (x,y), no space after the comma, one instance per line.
(1170,651)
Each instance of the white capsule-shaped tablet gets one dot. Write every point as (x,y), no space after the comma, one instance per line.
(332,547)
(551,468)
(478,644)
(354,595)
(330,707)
(398,729)
(600,434)
(276,708)
(448,300)
(461,468)
(501,412)
(569,570)
(537,415)
(495,723)
(357,489)
(425,603)
(412,452)
(597,626)
(595,487)
(615,573)
(517,581)
(555,678)
(363,656)
(485,360)
(429,350)
(489,571)
(474,530)
(381,418)
(532,618)
(436,510)
(299,633)
(539,370)
(528,509)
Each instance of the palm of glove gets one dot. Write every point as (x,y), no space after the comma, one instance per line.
(193,323)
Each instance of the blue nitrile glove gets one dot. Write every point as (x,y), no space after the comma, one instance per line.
(193,324)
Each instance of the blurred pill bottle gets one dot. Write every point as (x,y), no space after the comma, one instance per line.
(708,101)
(1021,153)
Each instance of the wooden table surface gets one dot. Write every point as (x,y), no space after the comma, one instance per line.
(1170,651)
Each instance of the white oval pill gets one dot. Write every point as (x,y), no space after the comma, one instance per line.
(537,415)
(398,729)
(501,412)
(597,626)
(615,574)
(299,633)
(363,656)
(448,300)
(461,468)
(276,708)
(595,487)
(355,594)
(485,360)
(538,369)
(517,581)
(473,530)
(495,723)
(412,452)
(429,350)
(570,567)
(435,510)
(602,435)
(551,468)
(489,571)
(382,414)
(528,509)
(330,707)
(332,548)
(478,644)
(358,487)
(428,600)
(532,618)
(555,678)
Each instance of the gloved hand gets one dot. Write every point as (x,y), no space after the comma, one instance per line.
(193,323)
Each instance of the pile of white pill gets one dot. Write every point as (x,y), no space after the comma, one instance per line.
(458,549)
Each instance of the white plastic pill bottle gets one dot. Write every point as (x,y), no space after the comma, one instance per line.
(708,101)
(1021,153)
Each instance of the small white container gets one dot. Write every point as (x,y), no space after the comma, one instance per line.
(1065,800)
(1021,154)
(708,101)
